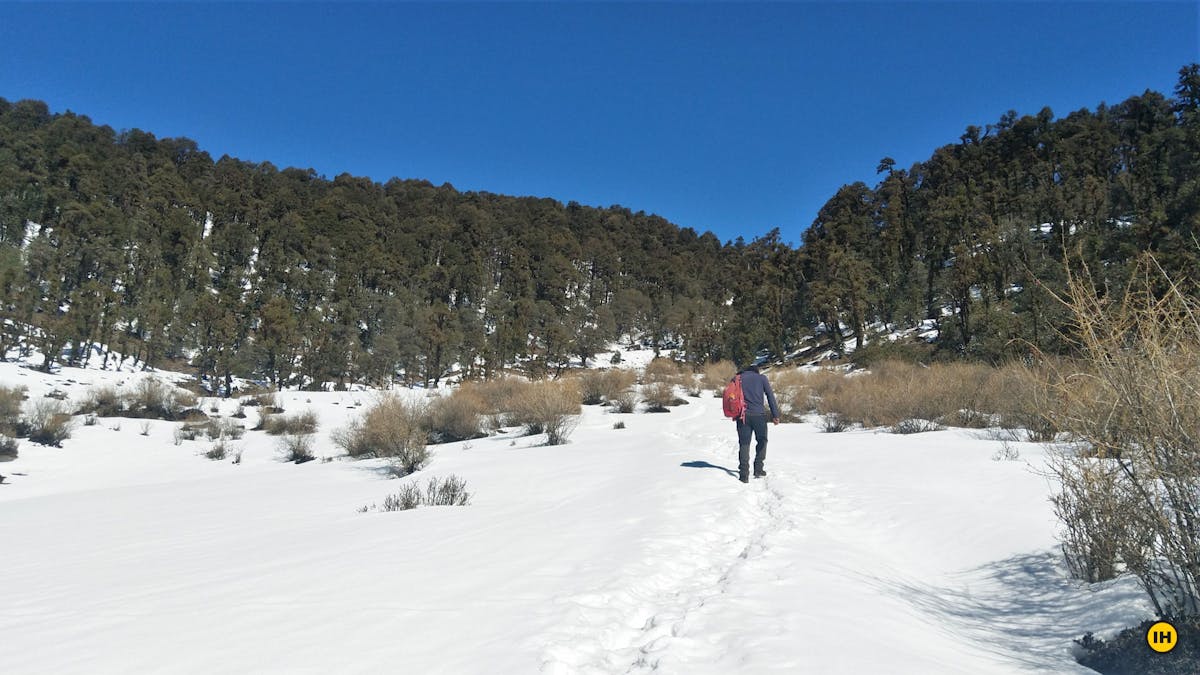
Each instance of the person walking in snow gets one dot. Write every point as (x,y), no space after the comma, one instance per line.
(755,387)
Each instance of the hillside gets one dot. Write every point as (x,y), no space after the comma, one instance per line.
(244,269)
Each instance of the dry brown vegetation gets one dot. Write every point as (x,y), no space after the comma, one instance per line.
(910,397)
(392,428)
(549,407)
(601,386)
(717,374)
(663,369)
(457,417)
(1129,501)
(299,423)
(149,398)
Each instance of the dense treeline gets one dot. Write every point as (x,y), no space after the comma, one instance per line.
(151,247)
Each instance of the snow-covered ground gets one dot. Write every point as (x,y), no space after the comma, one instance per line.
(626,550)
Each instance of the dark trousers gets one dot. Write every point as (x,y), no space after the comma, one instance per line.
(756,424)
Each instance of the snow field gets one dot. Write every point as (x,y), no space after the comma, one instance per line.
(626,550)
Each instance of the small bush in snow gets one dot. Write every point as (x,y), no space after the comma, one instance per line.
(833,423)
(598,386)
(89,420)
(497,396)
(663,370)
(8,448)
(451,491)
(105,401)
(717,374)
(618,425)
(261,400)
(297,448)
(659,396)
(153,397)
(794,391)
(391,428)
(300,423)
(145,429)
(915,425)
(48,423)
(218,451)
(551,408)
(11,399)
(626,402)
(457,417)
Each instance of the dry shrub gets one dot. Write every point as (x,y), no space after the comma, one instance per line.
(663,369)
(48,423)
(8,448)
(599,386)
(263,400)
(1022,398)
(497,396)
(794,392)
(392,428)
(297,448)
(457,417)
(551,408)
(451,491)
(11,399)
(105,401)
(1135,408)
(717,374)
(300,423)
(659,396)
(911,398)
(626,402)
(218,451)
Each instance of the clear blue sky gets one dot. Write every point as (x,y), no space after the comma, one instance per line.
(734,118)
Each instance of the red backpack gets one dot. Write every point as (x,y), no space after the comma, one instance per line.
(732,400)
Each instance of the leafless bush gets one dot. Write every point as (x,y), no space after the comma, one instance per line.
(658,396)
(391,428)
(663,370)
(1129,502)
(497,396)
(598,386)
(625,402)
(834,423)
(300,423)
(551,408)
(218,451)
(48,423)
(717,374)
(8,448)
(457,417)
(105,401)
(11,400)
(264,400)
(297,448)
(794,391)
(451,491)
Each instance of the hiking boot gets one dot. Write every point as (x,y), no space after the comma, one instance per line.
(744,478)
(760,473)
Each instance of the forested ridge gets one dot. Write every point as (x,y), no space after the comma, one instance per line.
(152,248)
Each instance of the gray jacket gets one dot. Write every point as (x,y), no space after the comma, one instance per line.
(754,386)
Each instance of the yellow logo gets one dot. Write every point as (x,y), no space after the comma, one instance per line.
(1162,637)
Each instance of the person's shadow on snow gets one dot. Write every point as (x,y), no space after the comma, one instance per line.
(706,465)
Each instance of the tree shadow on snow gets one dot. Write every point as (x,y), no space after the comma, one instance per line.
(706,465)
(1025,608)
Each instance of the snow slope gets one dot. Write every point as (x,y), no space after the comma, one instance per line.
(626,550)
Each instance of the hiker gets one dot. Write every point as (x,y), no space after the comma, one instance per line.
(754,386)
